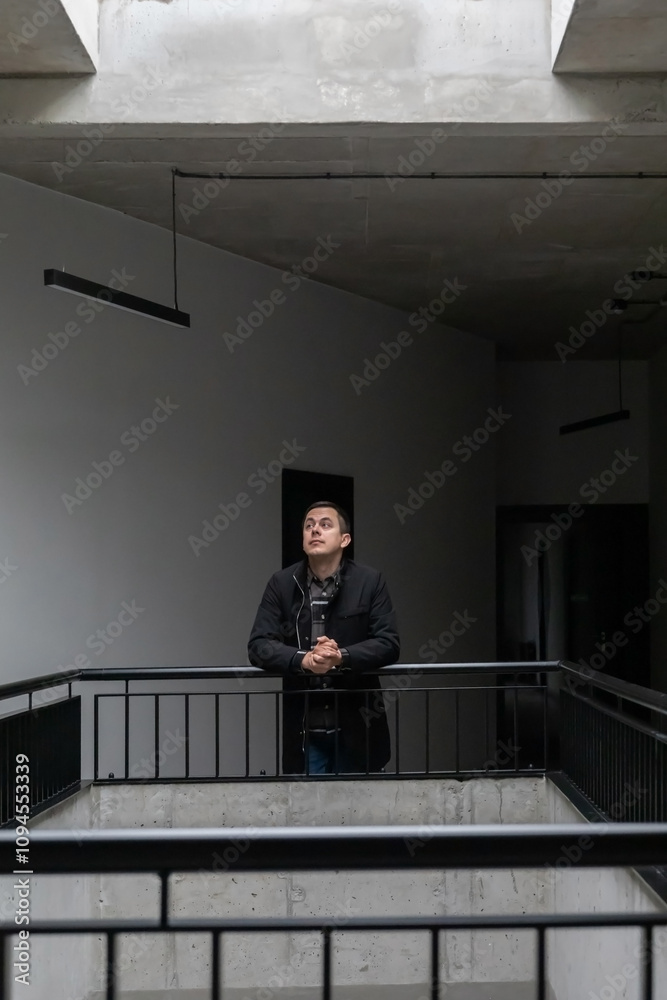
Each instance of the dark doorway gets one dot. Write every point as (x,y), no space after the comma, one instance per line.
(299,489)
(571,587)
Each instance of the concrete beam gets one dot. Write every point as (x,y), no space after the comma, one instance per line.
(48,37)
(609,36)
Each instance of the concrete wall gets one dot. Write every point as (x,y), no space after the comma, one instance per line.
(252,960)
(206,61)
(579,963)
(588,963)
(113,578)
(536,465)
(73,963)
(658,509)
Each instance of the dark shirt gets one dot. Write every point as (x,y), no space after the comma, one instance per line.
(321,715)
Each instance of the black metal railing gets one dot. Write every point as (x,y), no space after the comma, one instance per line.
(443,719)
(607,738)
(46,742)
(613,744)
(305,849)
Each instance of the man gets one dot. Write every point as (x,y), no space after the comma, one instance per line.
(321,623)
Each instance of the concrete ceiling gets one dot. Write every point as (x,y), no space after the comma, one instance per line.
(614,36)
(525,289)
(44,38)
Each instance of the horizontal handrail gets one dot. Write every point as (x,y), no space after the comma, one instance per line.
(645,697)
(15,688)
(342,847)
(241,925)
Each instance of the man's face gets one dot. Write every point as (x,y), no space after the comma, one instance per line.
(322,534)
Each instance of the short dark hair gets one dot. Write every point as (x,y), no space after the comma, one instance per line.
(343,519)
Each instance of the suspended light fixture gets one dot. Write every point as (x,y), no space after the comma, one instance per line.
(107,295)
(604,418)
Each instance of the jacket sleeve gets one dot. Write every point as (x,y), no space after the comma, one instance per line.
(382,646)
(266,646)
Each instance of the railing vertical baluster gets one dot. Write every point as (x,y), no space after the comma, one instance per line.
(398,736)
(326,963)
(516,722)
(457,754)
(647,963)
(164,898)
(277,694)
(217,735)
(435,964)
(368,732)
(187,735)
(306,733)
(246,698)
(541,964)
(427,762)
(545,724)
(126,730)
(156,735)
(4,967)
(215,966)
(96,737)
(111,966)
(337,762)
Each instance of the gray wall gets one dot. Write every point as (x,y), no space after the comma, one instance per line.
(69,567)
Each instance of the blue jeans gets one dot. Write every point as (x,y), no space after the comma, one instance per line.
(321,758)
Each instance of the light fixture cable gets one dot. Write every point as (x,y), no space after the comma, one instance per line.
(173,233)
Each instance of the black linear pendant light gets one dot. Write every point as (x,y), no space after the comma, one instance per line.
(75,285)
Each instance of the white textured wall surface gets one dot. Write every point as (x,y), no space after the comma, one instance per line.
(108,574)
(206,61)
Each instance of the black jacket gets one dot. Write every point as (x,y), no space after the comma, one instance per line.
(361,619)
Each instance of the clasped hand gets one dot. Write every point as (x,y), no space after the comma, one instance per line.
(323,657)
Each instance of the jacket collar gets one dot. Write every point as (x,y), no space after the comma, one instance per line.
(301,572)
